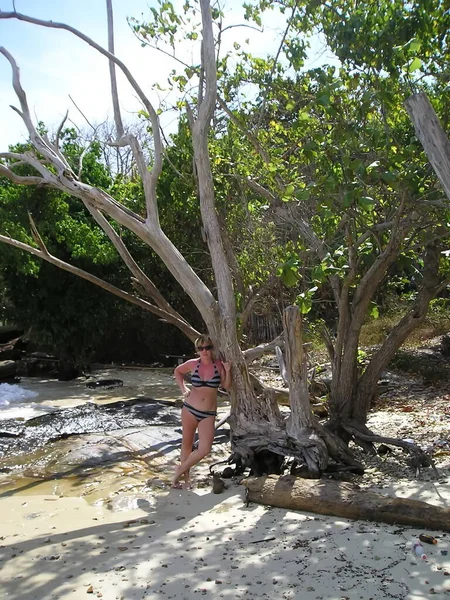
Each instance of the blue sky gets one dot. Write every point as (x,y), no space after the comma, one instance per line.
(55,64)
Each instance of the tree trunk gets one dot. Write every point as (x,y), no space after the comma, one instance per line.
(368,381)
(301,419)
(432,137)
(267,436)
(342,499)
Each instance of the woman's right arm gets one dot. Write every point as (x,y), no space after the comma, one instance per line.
(180,372)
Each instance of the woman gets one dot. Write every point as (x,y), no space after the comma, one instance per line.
(200,405)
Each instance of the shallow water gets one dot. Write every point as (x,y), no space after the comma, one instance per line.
(137,460)
(34,396)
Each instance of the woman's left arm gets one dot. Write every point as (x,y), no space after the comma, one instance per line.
(226,375)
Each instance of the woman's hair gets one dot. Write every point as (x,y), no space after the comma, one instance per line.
(203,340)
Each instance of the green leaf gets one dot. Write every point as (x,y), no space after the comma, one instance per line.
(366,202)
(324,100)
(414,65)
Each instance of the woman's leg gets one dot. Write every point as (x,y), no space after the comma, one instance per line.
(188,426)
(206,431)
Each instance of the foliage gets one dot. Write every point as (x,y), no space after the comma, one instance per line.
(311,167)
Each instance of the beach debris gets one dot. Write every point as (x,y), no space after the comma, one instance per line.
(269,539)
(218,484)
(90,590)
(228,472)
(419,551)
(428,539)
(104,384)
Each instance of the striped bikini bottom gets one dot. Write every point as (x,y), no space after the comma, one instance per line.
(200,414)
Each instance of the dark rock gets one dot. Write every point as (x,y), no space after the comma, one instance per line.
(85,418)
(8,370)
(228,472)
(104,384)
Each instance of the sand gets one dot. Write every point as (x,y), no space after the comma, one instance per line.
(190,544)
(117,536)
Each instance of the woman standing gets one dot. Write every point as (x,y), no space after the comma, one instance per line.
(200,405)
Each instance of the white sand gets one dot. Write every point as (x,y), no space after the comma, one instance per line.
(190,544)
(163,543)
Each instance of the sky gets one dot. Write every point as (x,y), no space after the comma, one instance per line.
(56,66)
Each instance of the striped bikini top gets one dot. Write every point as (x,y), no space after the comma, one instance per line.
(214,382)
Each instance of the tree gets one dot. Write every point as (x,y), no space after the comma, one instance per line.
(219,315)
(256,422)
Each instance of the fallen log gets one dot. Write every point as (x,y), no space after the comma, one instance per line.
(343,499)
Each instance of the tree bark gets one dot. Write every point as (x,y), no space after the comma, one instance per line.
(367,384)
(432,137)
(342,499)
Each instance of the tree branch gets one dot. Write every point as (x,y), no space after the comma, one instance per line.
(189,331)
(22,179)
(112,70)
(147,285)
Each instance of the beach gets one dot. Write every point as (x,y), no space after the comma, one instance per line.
(189,544)
(119,532)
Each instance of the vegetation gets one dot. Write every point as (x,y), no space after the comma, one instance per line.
(310,189)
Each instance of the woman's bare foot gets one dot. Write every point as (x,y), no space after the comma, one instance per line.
(188,485)
(175,482)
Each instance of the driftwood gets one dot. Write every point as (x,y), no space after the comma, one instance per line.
(8,369)
(12,350)
(342,499)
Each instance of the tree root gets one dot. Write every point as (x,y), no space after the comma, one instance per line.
(362,435)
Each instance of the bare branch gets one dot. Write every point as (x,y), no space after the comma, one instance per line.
(112,71)
(263,192)
(36,235)
(253,353)
(146,284)
(38,141)
(82,113)
(146,102)
(206,109)
(189,331)
(22,179)
(58,133)
(148,229)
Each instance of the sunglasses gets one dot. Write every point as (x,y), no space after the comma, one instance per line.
(200,348)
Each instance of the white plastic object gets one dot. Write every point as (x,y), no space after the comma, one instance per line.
(418,550)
